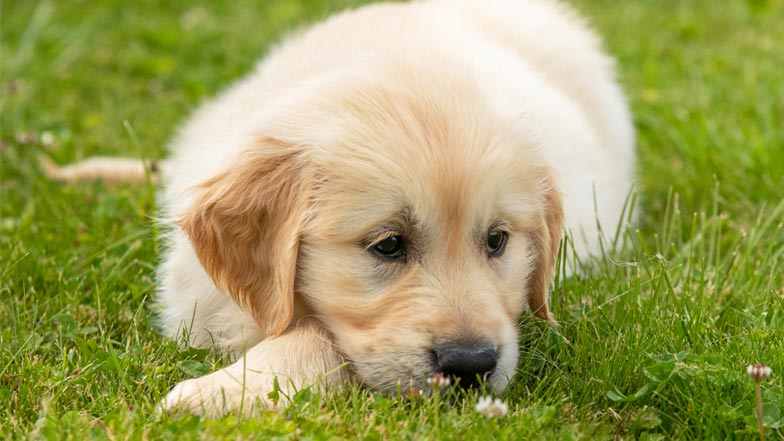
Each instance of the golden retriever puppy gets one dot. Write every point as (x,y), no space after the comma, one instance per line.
(385,194)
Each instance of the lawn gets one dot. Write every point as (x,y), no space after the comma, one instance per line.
(655,335)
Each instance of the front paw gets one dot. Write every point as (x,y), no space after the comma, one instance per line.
(215,395)
(248,382)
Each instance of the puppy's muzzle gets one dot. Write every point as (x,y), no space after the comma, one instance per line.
(465,362)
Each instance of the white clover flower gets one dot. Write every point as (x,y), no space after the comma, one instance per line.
(439,381)
(48,140)
(758,371)
(491,408)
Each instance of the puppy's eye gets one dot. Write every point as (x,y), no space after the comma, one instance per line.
(496,243)
(391,248)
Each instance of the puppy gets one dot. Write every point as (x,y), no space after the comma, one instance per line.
(385,194)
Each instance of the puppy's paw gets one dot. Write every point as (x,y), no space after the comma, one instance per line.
(213,396)
(269,366)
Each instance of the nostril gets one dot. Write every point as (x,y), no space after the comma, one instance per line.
(466,361)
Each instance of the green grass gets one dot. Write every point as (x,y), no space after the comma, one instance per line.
(652,345)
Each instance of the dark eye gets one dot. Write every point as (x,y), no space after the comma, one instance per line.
(496,242)
(391,248)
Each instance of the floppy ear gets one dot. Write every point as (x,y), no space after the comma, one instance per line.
(547,238)
(245,224)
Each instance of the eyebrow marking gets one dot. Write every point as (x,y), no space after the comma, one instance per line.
(402,223)
(385,234)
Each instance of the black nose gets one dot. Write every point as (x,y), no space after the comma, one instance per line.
(466,361)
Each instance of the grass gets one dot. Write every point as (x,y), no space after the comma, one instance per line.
(654,339)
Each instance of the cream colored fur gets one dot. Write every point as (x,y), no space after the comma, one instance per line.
(440,120)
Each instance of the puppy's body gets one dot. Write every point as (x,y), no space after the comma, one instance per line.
(436,122)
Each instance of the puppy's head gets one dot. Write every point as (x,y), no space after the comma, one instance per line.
(409,215)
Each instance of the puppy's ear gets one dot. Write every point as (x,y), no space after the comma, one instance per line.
(245,225)
(547,240)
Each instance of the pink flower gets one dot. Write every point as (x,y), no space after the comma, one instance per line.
(758,371)
(439,381)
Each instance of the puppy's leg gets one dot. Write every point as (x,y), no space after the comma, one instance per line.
(301,357)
